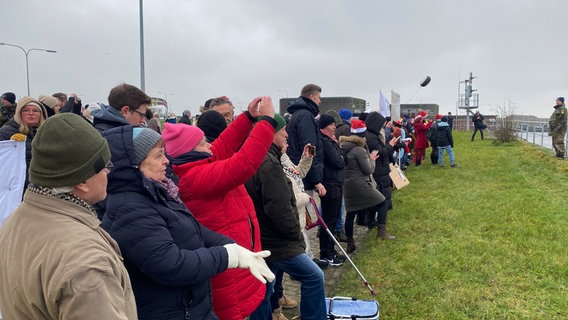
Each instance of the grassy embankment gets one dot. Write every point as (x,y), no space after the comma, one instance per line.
(486,240)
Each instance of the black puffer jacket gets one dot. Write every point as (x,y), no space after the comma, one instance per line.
(444,135)
(334,163)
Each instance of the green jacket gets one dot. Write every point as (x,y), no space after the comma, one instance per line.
(6,113)
(557,122)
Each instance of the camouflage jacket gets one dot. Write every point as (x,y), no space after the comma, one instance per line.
(557,122)
(6,113)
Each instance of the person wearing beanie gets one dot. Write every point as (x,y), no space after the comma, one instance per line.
(344,129)
(421,126)
(276,207)
(185,117)
(29,116)
(359,189)
(345,114)
(335,115)
(56,261)
(377,216)
(127,106)
(7,107)
(557,127)
(212,124)
(211,185)
(170,256)
(333,176)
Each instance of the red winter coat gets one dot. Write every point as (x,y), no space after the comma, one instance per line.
(421,140)
(213,190)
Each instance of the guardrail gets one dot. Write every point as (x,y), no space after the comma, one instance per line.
(536,133)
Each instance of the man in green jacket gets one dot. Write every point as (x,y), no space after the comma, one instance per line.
(557,128)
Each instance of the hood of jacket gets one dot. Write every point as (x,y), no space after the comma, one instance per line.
(349,142)
(375,122)
(303,103)
(108,113)
(125,176)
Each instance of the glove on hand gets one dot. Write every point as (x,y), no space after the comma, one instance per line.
(18,137)
(240,257)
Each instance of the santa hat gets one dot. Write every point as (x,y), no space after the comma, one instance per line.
(358,127)
(438,117)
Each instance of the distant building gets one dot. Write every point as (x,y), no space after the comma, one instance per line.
(355,105)
(414,108)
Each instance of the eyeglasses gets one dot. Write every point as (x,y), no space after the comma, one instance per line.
(142,115)
(109,166)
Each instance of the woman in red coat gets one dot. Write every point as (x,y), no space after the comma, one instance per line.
(421,126)
(211,185)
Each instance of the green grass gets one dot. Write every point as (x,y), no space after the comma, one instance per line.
(486,240)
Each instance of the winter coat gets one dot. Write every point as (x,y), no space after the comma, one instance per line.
(169,255)
(444,135)
(557,122)
(212,187)
(56,262)
(333,163)
(420,128)
(273,197)
(6,114)
(375,122)
(478,121)
(184,119)
(295,175)
(107,117)
(303,129)
(359,188)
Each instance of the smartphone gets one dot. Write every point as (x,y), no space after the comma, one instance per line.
(312,150)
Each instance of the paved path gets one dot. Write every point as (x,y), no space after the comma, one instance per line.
(332,274)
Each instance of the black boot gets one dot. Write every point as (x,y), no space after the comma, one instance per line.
(351,245)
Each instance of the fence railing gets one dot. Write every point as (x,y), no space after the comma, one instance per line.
(536,133)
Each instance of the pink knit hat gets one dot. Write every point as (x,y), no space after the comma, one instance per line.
(180,138)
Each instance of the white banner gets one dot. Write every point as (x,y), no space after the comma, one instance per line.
(384,105)
(13,173)
(395,111)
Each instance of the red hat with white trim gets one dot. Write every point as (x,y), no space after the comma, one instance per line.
(358,127)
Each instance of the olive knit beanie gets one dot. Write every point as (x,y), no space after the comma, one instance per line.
(66,151)
(143,140)
(280,122)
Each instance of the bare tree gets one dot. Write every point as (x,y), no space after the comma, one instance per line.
(505,123)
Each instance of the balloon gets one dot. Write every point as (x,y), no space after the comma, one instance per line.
(426,81)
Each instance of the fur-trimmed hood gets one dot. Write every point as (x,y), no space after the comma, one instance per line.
(349,142)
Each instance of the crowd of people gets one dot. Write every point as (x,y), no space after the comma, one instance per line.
(126,217)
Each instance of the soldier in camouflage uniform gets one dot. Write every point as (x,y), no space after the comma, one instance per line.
(7,107)
(557,127)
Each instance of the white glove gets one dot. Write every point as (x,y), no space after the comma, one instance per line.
(240,257)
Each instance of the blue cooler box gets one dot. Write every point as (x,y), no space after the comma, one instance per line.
(351,308)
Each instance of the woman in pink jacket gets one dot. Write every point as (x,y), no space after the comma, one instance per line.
(211,185)
(421,126)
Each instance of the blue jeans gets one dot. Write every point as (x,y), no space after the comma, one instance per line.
(441,155)
(302,268)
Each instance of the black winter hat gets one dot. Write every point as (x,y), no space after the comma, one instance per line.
(10,96)
(212,124)
(325,120)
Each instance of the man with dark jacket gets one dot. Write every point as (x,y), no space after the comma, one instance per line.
(185,117)
(333,176)
(557,125)
(274,203)
(445,142)
(303,129)
(7,107)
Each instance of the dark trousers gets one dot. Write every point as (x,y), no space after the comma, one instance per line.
(475,131)
(349,221)
(330,210)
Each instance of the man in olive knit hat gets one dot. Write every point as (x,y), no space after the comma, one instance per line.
(55,260)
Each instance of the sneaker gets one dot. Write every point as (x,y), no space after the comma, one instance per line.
(453,165)
(335,262)
(321,263)
(341,257)
(287,303)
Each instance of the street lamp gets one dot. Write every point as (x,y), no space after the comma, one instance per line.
(27,52)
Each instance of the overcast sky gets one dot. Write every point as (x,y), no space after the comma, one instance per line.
(195,50)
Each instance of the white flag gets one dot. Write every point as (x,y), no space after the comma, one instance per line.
(13,176)
(384,105)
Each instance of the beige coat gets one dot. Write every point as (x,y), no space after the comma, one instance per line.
(57,263)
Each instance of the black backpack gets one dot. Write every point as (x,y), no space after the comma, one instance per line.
(432,132)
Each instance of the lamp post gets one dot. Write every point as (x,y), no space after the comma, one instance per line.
(27,52)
